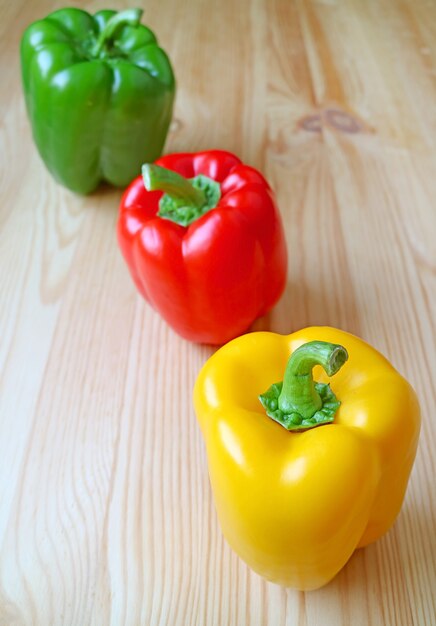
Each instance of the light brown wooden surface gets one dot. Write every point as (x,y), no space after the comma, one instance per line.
(106,515)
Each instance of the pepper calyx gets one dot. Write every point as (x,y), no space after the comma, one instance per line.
(185,200)
(295,421)
(298,403)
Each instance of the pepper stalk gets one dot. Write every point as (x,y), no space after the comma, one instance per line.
(184,200)
(299,403)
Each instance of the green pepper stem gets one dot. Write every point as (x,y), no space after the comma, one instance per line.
(298,394)
(158,178)
(129,17)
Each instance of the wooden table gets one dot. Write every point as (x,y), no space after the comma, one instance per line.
(106,515)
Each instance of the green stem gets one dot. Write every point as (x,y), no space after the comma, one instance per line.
(174,185)
(184,201)
(129,17)
(298,393)
(297,402)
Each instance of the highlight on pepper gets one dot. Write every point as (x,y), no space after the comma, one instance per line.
(319,466)
(203,240)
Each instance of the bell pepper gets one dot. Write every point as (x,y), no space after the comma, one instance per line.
(99,94)
(204,243)
(304,473)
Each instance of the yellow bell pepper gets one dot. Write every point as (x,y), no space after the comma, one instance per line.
(299,489)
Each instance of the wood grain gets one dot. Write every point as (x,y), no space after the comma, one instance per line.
(106,515)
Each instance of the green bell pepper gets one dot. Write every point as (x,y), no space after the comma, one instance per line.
(99,94)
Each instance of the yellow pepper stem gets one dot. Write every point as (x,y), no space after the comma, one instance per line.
(298,402)
(298,393)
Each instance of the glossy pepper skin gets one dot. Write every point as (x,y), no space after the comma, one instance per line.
(99,93)
(212,278)
(295,505)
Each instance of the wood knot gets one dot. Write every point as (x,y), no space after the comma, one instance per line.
(334,118)
(311,123)
(342,121)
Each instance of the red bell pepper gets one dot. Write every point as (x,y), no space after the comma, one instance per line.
(204,243)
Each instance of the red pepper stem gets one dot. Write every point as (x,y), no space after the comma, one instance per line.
(129,17)
(298,393)
(158,178)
